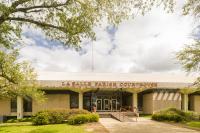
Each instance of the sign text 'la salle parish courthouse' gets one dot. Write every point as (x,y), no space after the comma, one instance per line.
(109,84)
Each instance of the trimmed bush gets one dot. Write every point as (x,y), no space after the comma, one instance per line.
(83,118)
(194,116)
(174,114)
(55,116)
(12,121)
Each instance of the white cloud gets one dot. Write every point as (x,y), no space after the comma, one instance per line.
(143,45)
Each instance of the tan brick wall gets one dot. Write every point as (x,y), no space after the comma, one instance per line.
(5,107)
(54,101)
(148,104)
(165,100)
(196,103)
(159,101)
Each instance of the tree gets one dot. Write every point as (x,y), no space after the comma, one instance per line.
(189,58)
(18,79)
(189,55)
(68,21)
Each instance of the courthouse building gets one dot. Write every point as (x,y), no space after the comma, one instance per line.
(147,92)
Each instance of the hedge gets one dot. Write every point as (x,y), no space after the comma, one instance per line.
(174,114)
(55,116)
(83,118)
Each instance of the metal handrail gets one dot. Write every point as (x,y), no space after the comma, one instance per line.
(132,114)
(129,110)
(114,110)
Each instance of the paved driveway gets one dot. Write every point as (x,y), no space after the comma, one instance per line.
(142,126)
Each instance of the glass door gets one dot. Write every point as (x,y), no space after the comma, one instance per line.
(99,104)
(106,104)
(114,104)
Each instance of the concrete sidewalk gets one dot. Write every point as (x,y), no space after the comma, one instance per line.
(144,125)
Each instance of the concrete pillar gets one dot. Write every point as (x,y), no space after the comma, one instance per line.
(80,100)
(185,102)
(20,108)
(134,102)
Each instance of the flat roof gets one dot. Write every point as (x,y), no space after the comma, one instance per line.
(123,77)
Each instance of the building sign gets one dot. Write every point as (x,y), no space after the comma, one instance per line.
(122,84)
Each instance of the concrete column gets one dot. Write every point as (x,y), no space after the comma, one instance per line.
(185,102)
(134,101)
(80,100)
(20,108)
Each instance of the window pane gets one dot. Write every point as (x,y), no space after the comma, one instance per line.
(119,102)
(14,105)
(74,101)
(28,105)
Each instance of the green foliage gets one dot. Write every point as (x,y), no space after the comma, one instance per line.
(12,121)
(83,118)
(194,116)
(26,119)
(17,79)
(68,21)
(55,116)
(174,114)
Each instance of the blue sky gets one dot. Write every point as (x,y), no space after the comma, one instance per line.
(140,45)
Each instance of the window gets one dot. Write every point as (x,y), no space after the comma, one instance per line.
(28,105)
(14,105)
(74,101)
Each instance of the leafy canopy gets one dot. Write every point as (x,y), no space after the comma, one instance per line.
(68,21)
(17,79)
(189,55)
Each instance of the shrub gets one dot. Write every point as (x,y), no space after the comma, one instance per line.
(94,117)
(12,121)
(174,114)
(83,118)
(26,119)
(193,116)
(51,116)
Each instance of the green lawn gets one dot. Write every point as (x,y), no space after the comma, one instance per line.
(192,124)
(145,116)
(57,128)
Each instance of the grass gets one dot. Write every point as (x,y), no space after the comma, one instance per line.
(192,124)
(145,116)
(56,128)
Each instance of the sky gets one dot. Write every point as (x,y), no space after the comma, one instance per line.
(140,45)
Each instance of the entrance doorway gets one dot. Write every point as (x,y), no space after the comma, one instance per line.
(106,104)
(99,104)
(114,104)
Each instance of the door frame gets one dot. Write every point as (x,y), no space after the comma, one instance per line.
(97,103)
(105,104)
(112,103)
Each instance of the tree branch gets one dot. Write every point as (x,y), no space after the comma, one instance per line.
(42,6)
(5,76)
(38,23)
(16,3)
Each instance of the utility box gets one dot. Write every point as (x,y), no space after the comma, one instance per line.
(3,119)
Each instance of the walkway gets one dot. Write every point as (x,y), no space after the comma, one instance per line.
(143,125)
